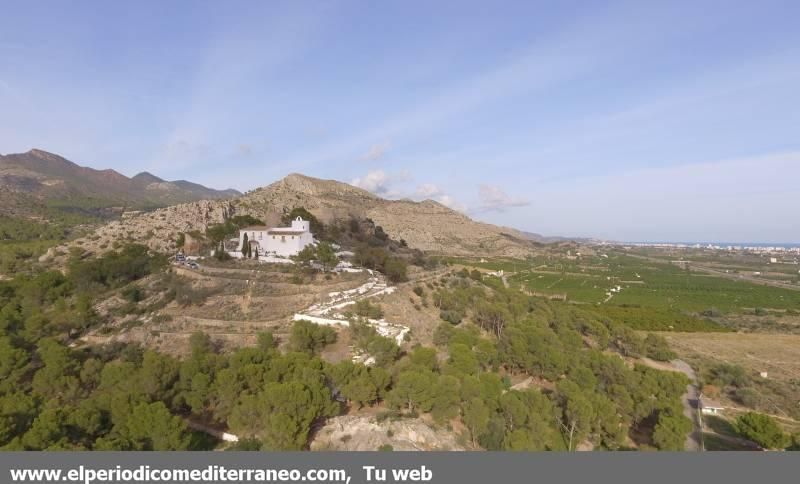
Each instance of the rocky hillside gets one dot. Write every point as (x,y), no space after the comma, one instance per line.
(51,178)
(426,225)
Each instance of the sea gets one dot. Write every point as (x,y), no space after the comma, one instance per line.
(785,245)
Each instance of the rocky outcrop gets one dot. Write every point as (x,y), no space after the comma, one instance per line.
(367,433)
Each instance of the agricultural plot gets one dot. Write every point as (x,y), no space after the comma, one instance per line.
(645,294)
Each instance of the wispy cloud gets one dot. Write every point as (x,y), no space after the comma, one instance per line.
(427,190)
(596,39)
(431,191)
(376,152)
(257,45)
(493,198)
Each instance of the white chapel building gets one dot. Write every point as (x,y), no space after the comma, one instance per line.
(276,241)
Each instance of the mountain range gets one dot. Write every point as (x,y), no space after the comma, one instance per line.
(41,177)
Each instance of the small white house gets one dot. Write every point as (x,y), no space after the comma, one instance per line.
(710,407)
(276,241)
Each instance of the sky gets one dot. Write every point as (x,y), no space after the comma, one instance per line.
(636,121)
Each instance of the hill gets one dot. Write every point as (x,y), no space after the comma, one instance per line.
(426,225)
(51,179)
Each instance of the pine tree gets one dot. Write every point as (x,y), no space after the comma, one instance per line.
(245,246)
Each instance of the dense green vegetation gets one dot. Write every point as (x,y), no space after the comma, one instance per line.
(24,239)
(761,429)
(658,319)
(56,397)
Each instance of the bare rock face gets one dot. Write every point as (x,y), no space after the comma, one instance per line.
(191,246)
(427,225)
(366,433)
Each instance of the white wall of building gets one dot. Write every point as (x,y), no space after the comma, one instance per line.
(280,241)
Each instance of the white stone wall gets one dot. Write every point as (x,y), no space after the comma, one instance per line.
(284,245)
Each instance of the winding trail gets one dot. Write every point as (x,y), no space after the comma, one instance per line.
(330,313)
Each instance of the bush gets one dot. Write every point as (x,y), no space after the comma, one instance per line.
(419,291)
(396,269)
(365,309)
(308,337)
(657,348)
(133,294)
(115,268)
(747,397)
(761,429)
(726,374)
(452,316)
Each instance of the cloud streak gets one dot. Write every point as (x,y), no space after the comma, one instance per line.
(493,198)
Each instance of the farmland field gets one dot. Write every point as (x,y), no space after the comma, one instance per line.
(618,279)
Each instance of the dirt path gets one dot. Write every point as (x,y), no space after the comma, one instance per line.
(330,312)
(219,434)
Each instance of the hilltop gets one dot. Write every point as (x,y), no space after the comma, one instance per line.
(42,177)
(426,225)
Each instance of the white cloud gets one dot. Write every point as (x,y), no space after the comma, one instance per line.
(381,183)
(494,199)
(428,190)
(431,191)
(376,152)
(452,203)
(391,185)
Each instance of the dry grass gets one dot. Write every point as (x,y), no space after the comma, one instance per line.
(777,354)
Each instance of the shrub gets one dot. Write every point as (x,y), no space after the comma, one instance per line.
(726,374)
(657,348)
(747,397)
(452,316)
(366,309)
(308,337)
(761,429)
(396,269)
(133,294)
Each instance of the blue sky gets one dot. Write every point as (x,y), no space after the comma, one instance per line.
(625,120)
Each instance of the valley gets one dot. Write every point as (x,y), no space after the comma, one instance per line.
(443,333)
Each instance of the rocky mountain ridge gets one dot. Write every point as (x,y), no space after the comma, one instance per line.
(426,225)
(52,178)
